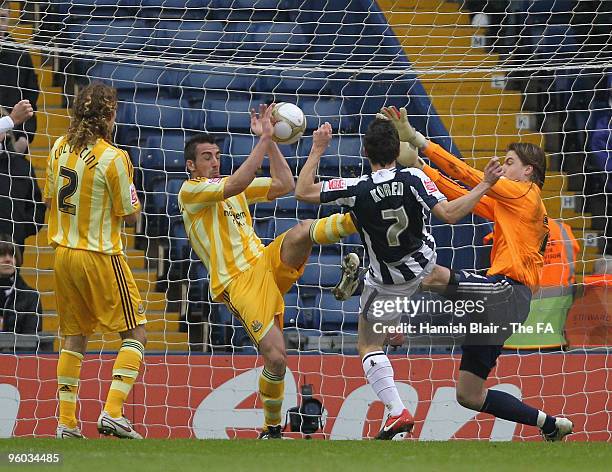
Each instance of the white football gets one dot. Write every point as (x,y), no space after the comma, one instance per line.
(290,123)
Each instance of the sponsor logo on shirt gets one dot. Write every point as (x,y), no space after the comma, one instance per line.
(133,195)
(336,184)
(430,186)
(216,180)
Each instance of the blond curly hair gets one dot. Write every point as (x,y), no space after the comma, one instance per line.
(91,115)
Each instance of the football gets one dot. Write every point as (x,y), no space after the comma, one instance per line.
(289,123)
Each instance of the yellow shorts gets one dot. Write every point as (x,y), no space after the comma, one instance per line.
(95,290)
(255,297)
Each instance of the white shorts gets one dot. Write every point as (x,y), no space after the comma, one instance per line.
(381,302)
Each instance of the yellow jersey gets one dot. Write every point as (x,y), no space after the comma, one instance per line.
(90,192)
(221,230)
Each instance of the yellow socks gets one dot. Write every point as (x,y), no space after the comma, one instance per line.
(68,373)
(125,371)
(332,229)
(271,392)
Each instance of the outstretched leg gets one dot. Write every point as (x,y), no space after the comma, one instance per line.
(472,394)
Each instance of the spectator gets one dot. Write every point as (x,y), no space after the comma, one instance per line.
(22,211)
(22,111)
(17,81)
(20,306)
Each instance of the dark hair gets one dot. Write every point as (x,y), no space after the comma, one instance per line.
(381,142)
(7,246)
(93,107)
(192,144)
(534,156)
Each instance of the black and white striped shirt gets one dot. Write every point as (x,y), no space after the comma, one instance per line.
(389,207)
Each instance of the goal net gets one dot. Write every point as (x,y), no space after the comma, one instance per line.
(475,76)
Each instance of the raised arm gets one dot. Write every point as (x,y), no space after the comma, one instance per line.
(504,189)
(306,189)
(463,205)
(282,177)
(485,206)
(240,180)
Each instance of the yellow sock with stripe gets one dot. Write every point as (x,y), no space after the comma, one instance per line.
(332,229)
(125,371)
(271,392)
(68,374)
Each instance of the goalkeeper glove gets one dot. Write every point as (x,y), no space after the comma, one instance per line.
(406,132)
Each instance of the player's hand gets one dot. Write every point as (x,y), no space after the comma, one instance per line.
(265,120)
(256,125)
(21,112)
(406,132)
(321,138)
(493,171)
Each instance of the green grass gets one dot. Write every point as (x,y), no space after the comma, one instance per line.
(179,455)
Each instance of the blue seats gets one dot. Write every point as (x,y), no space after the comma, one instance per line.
(151,115)
(190,37)
(263,229)
(342,158)
(252,10)
(224,115)
(291,207)
(554,42)
(320,110)
(331,315)
(94,8)
(292,81)
(239,146)
(321,271)
(280,225)
(178,242)
(267,39)
(263,209)
(164,152)
(202,81)
(173,188)
(117,35)
(173,8)
(133,80)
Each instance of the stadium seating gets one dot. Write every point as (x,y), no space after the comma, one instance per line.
(97,8)
(298,82)
(332,316)
(135,80)
(267,40)
(199,81)
(196,38)
(320,271)
(253,10)
(116,35)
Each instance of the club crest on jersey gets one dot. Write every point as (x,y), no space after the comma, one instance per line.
(430,186)
(336,184)
(256,326)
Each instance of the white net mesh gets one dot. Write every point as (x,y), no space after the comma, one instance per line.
(475,76)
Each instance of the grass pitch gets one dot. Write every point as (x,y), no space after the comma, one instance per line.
(178,455)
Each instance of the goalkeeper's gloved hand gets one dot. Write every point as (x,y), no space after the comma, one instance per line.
(406,132)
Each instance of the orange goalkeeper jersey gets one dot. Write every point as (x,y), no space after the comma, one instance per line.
(516,208)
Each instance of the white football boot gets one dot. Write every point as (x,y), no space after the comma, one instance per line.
(119,427)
